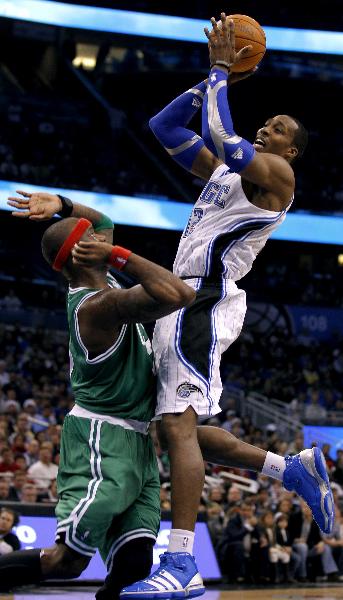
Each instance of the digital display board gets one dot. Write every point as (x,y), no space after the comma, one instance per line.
(39,532)
(320,435)
(167,214)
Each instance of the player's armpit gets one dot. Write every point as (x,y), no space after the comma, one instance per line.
(272,173)
(205,164)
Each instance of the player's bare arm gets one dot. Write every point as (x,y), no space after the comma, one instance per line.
(158,294)
(42,206)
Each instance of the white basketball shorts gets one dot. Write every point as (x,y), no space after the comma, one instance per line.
(188,345)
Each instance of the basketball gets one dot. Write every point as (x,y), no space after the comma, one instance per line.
(248,32)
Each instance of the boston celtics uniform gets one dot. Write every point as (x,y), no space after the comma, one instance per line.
(108,481)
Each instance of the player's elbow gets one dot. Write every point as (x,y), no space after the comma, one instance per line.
(183,295)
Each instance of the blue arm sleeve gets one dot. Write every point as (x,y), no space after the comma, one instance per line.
(217,127)
(169,126)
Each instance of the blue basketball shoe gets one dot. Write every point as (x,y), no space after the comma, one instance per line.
(177,577)
(306,475)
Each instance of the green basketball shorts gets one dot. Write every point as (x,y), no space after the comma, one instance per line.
(108,487)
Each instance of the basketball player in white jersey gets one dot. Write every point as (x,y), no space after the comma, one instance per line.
(249,191)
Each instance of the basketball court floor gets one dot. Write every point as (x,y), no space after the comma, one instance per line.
(318,591)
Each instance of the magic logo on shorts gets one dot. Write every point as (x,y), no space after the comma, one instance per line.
(186,389)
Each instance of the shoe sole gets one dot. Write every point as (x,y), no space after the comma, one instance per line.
(316,466)
(192,593)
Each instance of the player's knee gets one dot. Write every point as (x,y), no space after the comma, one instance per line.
(179,427)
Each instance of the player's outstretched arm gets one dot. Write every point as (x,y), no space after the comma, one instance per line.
(159,291)
(268,171)
(42,206)
(169,126)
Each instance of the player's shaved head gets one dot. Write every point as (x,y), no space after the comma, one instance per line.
(54,237)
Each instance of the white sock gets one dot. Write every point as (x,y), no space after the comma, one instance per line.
(181,540)
(274,466)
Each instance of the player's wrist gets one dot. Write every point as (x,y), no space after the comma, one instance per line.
(66,207)
(118,257)
(222,64)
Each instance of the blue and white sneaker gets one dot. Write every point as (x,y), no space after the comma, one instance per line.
(177,577)
(306,475)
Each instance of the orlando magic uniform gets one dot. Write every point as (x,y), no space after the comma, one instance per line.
(108,480)
(224,234)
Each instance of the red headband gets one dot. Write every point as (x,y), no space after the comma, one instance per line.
(66,248)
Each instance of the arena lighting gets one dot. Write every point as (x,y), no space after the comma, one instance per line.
(159,26)
(166,214)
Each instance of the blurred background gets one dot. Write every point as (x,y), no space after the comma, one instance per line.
(74,109)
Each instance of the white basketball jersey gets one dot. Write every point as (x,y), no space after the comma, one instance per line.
(225,231)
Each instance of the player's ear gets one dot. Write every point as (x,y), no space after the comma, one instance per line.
(292,152)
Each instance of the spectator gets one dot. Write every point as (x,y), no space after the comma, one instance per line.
(215,521)
(239,543)
(44,470)
(22,427)
(335,542)
(308,543)
(50,495)
(7,462)
(314,412)
(281,551)
(8,540)
(32,453)
(29,494)
(234,497)
(4,490)
(18,481)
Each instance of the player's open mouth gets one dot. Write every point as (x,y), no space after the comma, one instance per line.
(259,142)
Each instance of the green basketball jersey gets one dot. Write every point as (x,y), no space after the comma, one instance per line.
(119,382)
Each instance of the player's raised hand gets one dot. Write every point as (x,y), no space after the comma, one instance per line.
(221,42)
(89,254)
(39,206)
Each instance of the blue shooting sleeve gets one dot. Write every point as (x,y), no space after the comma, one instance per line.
(217,126)
(169,126)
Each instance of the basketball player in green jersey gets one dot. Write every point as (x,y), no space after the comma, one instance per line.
(108,480)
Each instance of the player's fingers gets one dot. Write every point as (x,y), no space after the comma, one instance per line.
(12,200)
(231,33)
(86,245)
(37,217)
(22,215)
(207,33)
(243,52)
(23,193)
(215,27)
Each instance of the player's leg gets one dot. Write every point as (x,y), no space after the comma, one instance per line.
(304,473)
(187,473)
(187,356)
(132,562)
(128,548)
(25,567)
(220,447)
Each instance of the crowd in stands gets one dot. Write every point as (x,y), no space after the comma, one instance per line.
(261,533)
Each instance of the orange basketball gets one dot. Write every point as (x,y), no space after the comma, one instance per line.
(248,32)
